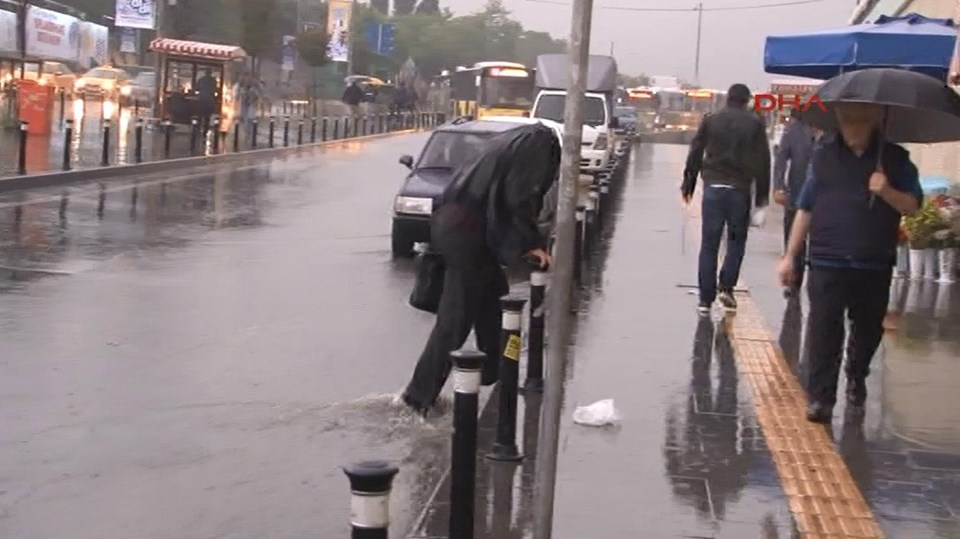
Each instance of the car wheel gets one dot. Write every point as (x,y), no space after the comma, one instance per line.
(400,245)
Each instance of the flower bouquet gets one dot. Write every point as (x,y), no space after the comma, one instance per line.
(920,228)
(947,237)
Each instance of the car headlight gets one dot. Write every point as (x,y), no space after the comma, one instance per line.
(81,83)
(108,85)
(125,90)
(601,143)
(413,205)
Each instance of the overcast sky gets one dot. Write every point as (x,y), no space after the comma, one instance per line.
(665,43)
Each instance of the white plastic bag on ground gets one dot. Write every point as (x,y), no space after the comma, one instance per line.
(597,414)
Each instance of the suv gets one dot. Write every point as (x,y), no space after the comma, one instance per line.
(448,148)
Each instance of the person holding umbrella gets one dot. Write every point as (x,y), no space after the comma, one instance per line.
(859,185)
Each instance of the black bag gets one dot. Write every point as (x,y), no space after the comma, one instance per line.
(429,285)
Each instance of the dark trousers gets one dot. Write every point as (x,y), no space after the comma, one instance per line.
(722,207)
(473,284)
(835,295)
(800,262)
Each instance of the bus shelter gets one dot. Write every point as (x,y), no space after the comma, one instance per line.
(185,66)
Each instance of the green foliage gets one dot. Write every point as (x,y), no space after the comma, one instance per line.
(921,226)
(258,30)
(381,6)
(312,47)
(428,7)
(404,7)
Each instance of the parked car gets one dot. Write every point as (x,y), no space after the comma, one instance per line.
(142,88)
(56,74)
(451,146)
(104,82)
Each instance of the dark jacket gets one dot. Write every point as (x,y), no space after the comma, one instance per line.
(796,148)
(730,148)
(503,189)
(846,229)
(353,95)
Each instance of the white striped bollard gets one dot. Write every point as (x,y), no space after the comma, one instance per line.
(370,483)
(505,447)
(467,375)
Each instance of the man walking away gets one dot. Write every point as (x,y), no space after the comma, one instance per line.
(352,97)
(732,152)
(851,211)
(207,90)
(796,148)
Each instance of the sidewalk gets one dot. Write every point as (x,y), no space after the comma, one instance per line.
(713,442)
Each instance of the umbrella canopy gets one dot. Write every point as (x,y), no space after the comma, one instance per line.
(912,42)
(919,108)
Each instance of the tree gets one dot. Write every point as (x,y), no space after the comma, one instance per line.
(258,32)
(404,7)
(428,7)
(382,6)
(312,47)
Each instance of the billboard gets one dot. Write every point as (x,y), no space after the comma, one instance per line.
(340,13)
(93,45)
(8,33)
(52,35)
(136,14)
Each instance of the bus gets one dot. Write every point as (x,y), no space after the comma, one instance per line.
(672,108)
(492,89)
(699,103)
(646,101)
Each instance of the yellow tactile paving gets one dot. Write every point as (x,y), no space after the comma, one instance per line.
(821,493)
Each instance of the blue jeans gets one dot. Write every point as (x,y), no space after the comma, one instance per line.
(728,207)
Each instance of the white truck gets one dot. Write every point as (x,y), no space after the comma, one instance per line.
(553,80)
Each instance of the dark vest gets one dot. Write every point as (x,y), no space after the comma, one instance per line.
(843,227)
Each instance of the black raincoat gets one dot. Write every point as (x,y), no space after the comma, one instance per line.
(487,219)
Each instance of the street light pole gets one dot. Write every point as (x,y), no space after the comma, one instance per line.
(561,289)
(696,65)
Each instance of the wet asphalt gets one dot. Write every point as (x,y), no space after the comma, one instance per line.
(196,356)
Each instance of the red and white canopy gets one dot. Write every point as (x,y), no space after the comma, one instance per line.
(196,49)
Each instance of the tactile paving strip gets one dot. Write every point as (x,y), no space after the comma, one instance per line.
(821,493)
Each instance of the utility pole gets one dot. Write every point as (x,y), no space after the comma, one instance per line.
(353,12)
(561,289)
(159,80)
(696,64)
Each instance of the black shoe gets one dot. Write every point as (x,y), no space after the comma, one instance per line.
(704,308)
(856,392)
(728,301)
(819,413)
(416,407)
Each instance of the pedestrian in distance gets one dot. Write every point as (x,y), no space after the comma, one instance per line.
(796,148)
(487,219)
(207,94)
(855,194)
(732,153)
(352,97)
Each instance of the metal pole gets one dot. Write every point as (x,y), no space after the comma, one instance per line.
(560,293)
(105,157)
(696,65)
(534,382)
(67,144)
(468,365)
(22,159)
(138,142)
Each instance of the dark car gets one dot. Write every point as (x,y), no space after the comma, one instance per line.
(450,146)
(628,120)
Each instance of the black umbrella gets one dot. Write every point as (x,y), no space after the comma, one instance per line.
(917,107)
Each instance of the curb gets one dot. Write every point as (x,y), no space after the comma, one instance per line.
(52,179)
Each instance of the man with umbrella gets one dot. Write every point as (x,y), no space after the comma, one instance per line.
(859,185)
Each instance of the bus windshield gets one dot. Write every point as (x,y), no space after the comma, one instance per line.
(699,104)
(506,92)
(551,106)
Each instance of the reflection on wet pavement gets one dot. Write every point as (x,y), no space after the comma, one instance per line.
(192,356)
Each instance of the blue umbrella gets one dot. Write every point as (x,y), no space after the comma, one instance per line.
(911,42)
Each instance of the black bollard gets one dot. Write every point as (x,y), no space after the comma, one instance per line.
(593,218)
(505,447)
(67,144)
(215,128)
(105,157)
(63,105)
(136,107)
(300,132)
(286,131)
(381,121)
(22,161)
(194,134)
(467,369)
(273,127)
(313,130)
(167,132)
(236,136)
(356,127)
(578,247)
(336,128)
(538,285)
(370,484)
(323,129)
(364,131)
(255,134)
(138,142)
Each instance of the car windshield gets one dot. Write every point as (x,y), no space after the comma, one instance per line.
(449,149)
(625,113)
(102,74)
(550,106)
(145,79)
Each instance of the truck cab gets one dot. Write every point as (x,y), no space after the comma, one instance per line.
(599,124)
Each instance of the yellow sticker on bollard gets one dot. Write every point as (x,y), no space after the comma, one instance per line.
(512,350)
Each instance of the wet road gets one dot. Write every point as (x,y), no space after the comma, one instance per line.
(197,356)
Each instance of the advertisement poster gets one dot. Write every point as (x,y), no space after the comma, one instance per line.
(136,14)
(338,27)
(289,53)
(52,35)
(8,32)
(93,45)
(128,40)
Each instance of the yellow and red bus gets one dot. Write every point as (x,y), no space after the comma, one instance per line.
(646,101)
(492,89)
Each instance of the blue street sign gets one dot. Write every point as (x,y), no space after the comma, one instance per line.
(380,38)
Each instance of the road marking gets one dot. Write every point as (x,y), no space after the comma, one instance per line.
(822,495)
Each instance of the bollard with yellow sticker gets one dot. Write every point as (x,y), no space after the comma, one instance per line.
(505,448)
(538,285)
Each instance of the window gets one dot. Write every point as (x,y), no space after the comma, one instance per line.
(447,149)
(551,107)
(507,92)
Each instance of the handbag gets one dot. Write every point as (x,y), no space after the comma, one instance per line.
(429,284)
